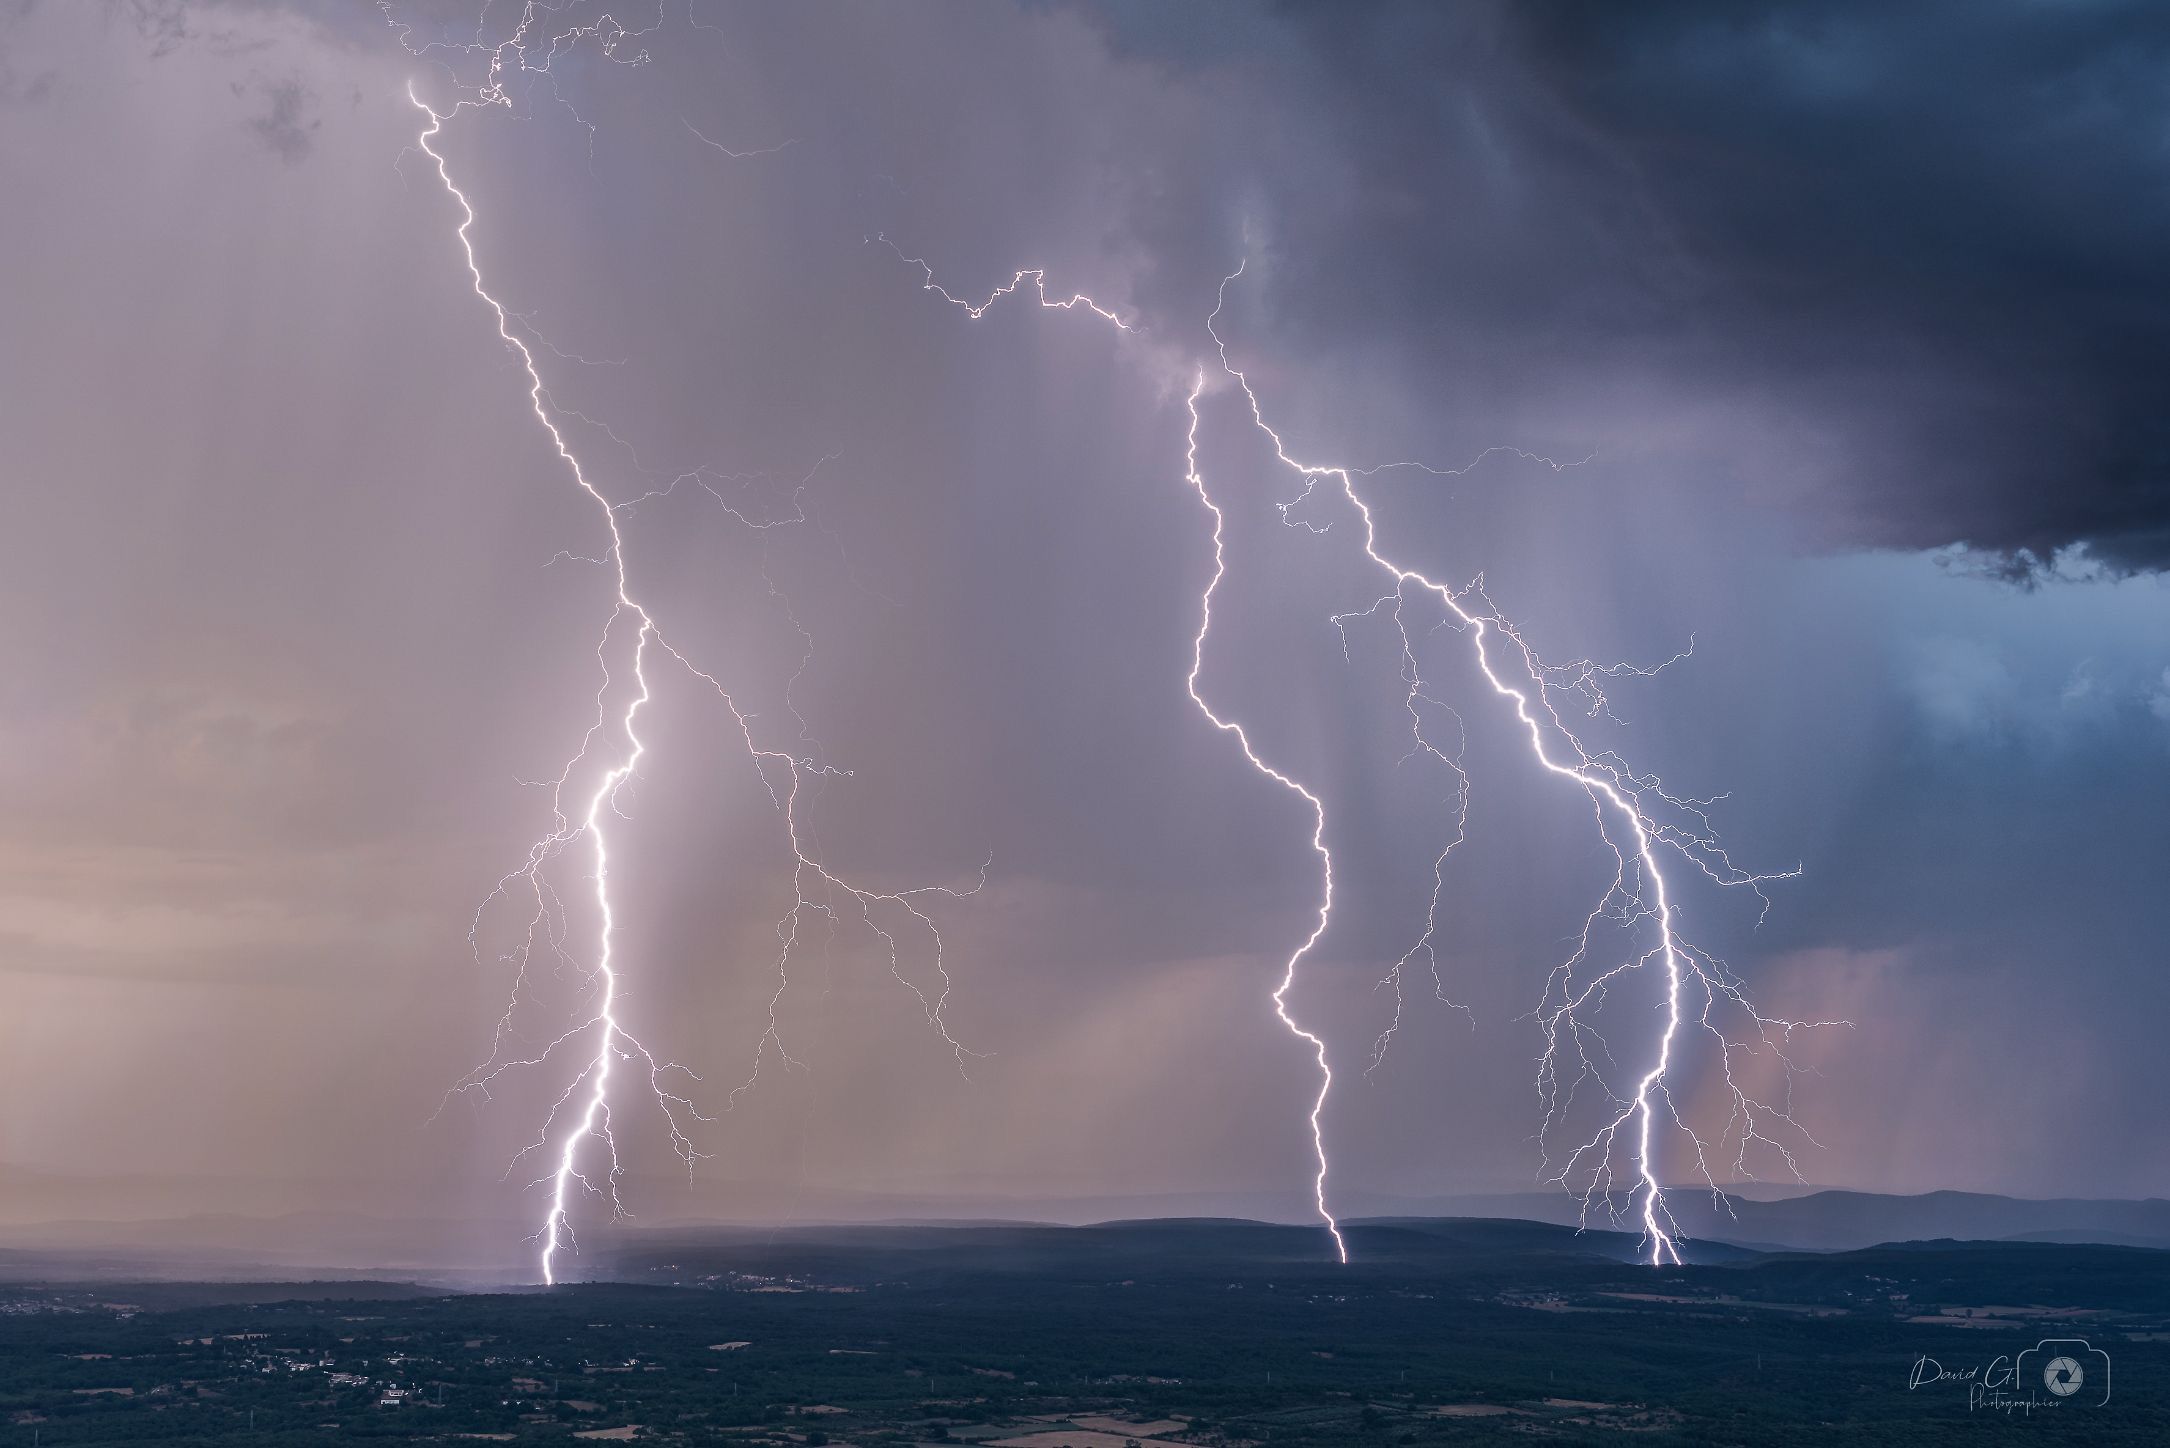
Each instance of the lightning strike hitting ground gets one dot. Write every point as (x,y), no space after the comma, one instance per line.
(586,1146)
(1638,895)
(1197,481)
(1635,817)
(1316,806)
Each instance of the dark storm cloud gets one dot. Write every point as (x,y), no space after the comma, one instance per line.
(1917,257)
(1975,202)
(285,124)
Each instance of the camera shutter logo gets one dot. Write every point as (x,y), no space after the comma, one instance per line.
(2063,1376)
(2067,1368)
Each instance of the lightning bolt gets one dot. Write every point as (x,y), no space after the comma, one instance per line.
(578,1126)
(594,1118)
(1635,817)
(1622,799)
(1317,806)
(1037,276)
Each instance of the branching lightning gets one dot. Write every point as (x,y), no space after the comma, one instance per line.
(577,1132)
(1636,818)
(1622,800)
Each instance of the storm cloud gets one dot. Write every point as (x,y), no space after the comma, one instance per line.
(1910,259)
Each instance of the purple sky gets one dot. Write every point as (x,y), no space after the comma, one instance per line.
(297,599)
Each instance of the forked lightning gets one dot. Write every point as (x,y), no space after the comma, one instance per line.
(578,1128)
(1636,818)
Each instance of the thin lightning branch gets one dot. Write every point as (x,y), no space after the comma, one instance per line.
(1038,276)
(736,155)
(1420,743)
(1473,464)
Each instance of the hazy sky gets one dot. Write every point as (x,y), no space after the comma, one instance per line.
(1858,315)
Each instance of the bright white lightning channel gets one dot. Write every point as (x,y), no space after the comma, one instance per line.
(818,893)
(594,1118)
(1638,820)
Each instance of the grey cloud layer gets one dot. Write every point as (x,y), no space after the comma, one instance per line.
(1908,261)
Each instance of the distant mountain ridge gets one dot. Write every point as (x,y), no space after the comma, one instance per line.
(1847,1221)
(381,1237)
